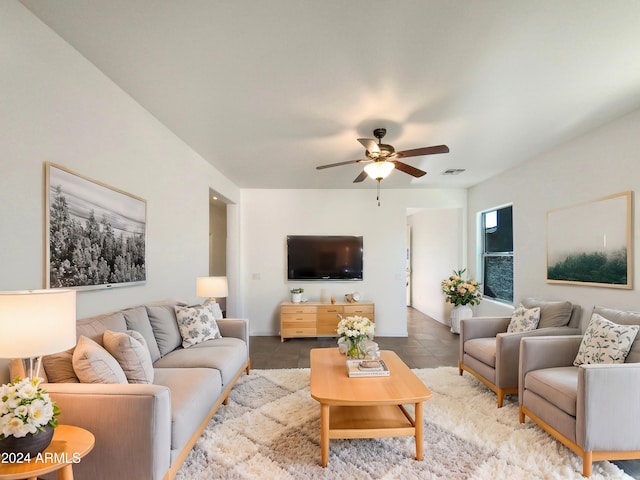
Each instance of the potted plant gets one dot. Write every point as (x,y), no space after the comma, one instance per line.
(461,293)
(27,417)
(354,331)
(296,294)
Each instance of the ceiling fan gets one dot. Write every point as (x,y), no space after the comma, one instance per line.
(383,158)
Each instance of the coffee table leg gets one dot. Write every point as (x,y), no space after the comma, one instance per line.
(419,431)
(324,434)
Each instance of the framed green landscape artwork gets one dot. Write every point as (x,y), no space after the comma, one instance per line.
(95,235)
(590,243)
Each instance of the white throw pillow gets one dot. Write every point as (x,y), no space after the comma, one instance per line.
(131,352)
(524,319)
(605,342)
(196,324)
(93,364)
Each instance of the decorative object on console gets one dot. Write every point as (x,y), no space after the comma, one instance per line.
(355,330)
(33,323)
(296,294)
(101,225)
(352,297)
(212,288)
(461,293)
(590,243)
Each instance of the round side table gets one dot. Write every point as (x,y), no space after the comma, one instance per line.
(68,446)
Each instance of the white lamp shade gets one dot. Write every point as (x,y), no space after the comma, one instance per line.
(379,170)
(37,322)
(212,287)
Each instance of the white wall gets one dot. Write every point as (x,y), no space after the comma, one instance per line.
(268,216)
(437,237)
(595,165)
(56,106)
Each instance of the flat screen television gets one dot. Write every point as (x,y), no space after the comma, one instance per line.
(324,257)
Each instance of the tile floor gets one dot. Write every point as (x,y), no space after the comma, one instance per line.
(429,344)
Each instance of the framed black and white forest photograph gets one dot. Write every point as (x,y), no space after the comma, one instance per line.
(591,243)
(95,233)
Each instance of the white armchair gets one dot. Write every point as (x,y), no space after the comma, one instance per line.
(491,354)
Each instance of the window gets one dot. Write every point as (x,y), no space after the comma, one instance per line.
(497,254)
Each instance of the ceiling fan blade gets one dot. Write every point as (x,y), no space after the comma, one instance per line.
(369,144)
(360,177)
(416,152)
(413,171)
(340,163)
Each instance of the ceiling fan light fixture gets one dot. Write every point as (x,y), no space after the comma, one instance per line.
(379,170)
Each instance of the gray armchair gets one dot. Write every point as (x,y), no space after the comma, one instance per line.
(491,354)
(592,409)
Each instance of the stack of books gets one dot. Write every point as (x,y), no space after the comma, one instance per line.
(367,368)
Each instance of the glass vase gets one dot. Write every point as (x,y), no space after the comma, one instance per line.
(356,348)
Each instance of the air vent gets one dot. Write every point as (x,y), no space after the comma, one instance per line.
(453,171)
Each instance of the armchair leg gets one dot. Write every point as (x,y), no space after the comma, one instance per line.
(500,397)
(521,414)
(459,368)
(587,461)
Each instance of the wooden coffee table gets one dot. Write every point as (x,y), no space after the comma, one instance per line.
(370,407)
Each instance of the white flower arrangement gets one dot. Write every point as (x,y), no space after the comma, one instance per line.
(356,326)
(25,408)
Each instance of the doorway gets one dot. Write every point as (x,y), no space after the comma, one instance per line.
(218,239)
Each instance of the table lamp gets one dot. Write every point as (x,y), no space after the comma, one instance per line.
(212,288)
(34,323)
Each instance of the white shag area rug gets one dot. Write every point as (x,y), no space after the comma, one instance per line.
(271,430)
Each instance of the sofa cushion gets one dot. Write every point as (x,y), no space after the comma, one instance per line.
(194,392)
(93,364)
(165,327)
(552,313)
(131,352)
(484,349)
(137,319)
(622,317)
(605,342)
(59,366)
(557,385)
(196,324)
(524,319)
(227,354)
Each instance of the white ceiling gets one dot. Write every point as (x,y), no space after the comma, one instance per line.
(266,90)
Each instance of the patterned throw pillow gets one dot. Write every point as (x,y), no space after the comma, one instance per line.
(524,319)
(605,342)
(196,324)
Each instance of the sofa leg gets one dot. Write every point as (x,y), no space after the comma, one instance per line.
(460,368)
(226,400)
(248,366)
(500,398)
(521,414)
(587,461)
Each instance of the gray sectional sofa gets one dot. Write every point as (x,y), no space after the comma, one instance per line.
(145,431)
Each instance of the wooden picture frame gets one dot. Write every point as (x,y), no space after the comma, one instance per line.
(95,234)
(591,243)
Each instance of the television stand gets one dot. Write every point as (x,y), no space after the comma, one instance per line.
(318,319)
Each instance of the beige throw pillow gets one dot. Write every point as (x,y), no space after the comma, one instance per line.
(524,319)
(130,351)
(93,364)
(605,342)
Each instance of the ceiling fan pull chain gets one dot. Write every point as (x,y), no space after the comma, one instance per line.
(378,195)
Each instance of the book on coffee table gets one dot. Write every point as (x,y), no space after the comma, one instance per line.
(367,368)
